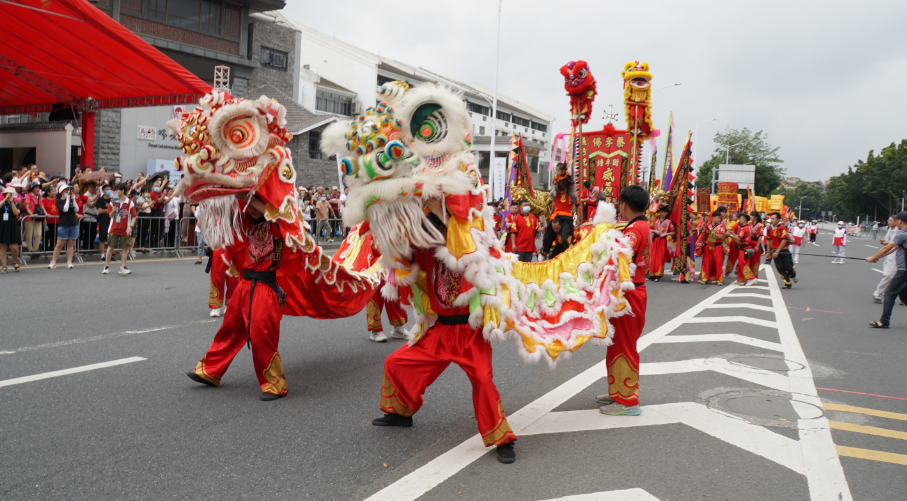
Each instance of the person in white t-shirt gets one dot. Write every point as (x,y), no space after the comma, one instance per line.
(798,234)
(839,240)
(889,264)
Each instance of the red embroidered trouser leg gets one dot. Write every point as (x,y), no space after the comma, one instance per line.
(744,272)
(712,264)
(623,356)
(265,334)
(410,369)
(731,257)
(218,281)
(395,312)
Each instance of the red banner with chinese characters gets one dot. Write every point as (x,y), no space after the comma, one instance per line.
(703,200)
(605,150)
(727,196)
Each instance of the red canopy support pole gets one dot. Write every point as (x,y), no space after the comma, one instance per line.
(87,158)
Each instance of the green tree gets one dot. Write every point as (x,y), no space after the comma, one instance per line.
(746,147)
(873,188)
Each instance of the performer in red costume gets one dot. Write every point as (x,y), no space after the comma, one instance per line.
(508,223)
(745,249)
(663,230)
(623,356)
(224,280)
(524,228)
(395,312)
(710,240)
(732,248)
(756,231)
(416,365)
(255,317)
(564,201)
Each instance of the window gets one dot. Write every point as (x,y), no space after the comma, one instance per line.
(521,121)
(481,131)
(478,108)
(504,116)
(274,59)
(484,118)
(539,127)
(314,148)
(332,103)
(214,17)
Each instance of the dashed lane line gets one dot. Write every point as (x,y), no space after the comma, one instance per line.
(864,410)
(66,372)
(873,246)
(885,457)
(868,430)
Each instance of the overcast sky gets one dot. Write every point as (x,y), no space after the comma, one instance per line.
(801,71)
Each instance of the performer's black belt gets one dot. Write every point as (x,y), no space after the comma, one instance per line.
(265,277)
(453,319)
(637,284)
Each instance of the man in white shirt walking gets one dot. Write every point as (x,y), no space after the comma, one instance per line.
(889,265)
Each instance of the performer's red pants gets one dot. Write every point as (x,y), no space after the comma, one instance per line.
(744,270)
(222,285)
(395,312)
(756,260)
(659,256)
(712,264)
(265,334)
(410,369)
(623,356)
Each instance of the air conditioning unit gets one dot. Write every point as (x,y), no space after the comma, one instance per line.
(356,107)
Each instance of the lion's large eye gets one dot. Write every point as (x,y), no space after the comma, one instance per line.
(582,73)
(429,124)
(239,131)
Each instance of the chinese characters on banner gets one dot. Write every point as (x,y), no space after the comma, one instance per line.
(605,150)
(727,196)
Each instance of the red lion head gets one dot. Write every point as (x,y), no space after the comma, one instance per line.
(580,86)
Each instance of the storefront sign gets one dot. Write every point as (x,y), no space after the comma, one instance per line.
(147,133)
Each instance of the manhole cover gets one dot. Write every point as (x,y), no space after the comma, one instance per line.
(762,407)
(773,408)
(768,363)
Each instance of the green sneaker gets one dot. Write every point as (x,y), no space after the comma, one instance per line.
(604,400)
(621,410)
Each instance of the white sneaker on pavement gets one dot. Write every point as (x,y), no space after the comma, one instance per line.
(52,265)
(106,270)
(69,265)
(377,337)
(399,332)
(124,271)
(215,312)
(751,282)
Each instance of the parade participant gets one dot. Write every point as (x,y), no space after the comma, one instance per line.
(595,196)
(224,277)
(10,236)
(698,230)
(559,245)
(897,246)
(889,266)
(508,222)
(564,201)
(710,240)
(498,218)
(745,250)
(778,252)
(813,230)
(730,244)
(524,227)
(839,240)
(660,253)
(255,319)
(395,313)
(798,234)
(122,216)
(622,358)
(757,230)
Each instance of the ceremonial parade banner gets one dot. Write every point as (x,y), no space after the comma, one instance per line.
(776,203)
(728,196)
(703,200)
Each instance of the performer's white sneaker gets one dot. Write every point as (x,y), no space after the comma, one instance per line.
(215,312)
(377,337)
(621,410)
(124,271)
(751,282)
(399,332)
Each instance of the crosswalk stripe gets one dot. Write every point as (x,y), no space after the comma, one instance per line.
(885,457)
(863,410)
(867,430)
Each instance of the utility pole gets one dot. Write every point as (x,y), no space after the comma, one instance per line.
(494,105)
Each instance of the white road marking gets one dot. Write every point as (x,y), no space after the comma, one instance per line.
(813,243)
(742,305)
(622,495)
(734,338)
(100,337)
(65,372)
(873,246)
(733,318)
(878,270)
(749,294)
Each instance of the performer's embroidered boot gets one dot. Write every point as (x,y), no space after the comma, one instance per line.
(621,410)
(393,420)
(505,453)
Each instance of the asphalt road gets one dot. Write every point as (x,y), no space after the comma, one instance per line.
(718,422)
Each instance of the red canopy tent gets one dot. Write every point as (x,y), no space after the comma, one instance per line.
(68,51)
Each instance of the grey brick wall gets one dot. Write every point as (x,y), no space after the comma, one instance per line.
(310,171)
(277,37)
(240,88)
(107,139)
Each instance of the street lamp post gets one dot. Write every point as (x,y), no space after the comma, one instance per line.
(665,87)
(727,160)
(494,105)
